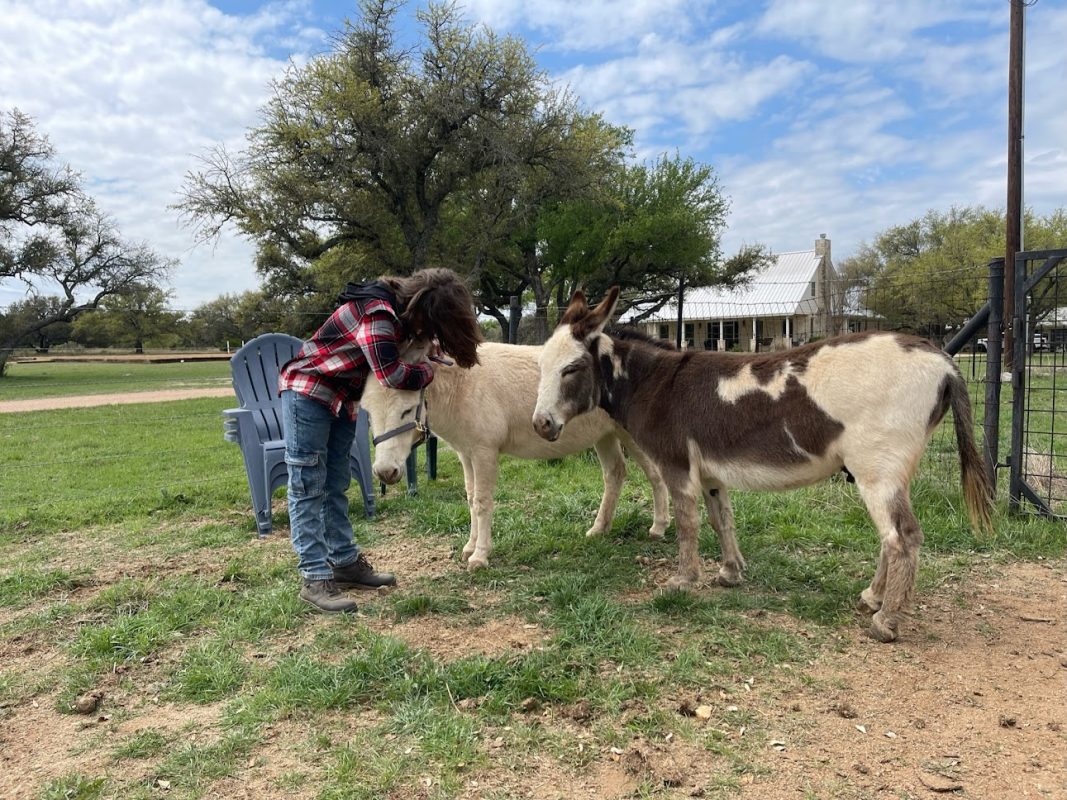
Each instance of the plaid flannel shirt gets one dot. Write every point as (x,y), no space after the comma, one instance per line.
(333,365)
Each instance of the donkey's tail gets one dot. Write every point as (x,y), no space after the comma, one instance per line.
(977,488)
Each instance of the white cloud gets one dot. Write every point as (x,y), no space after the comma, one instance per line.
(923,128)
(129,93)
(867,30)
(589,24)
(670,88)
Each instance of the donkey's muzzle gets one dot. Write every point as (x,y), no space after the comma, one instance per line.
(387,475)
(547,427)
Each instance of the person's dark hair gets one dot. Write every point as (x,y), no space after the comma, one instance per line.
(435,302)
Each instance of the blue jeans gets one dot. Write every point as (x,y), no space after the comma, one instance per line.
(317,448)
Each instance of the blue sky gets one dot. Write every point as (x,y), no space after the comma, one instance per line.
(819,116)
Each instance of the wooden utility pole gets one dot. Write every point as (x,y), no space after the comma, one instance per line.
(1015,173)
(679,334)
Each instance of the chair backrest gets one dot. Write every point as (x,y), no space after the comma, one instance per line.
(254,369)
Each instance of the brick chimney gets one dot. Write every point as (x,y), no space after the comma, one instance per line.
(822,250)
(822,247)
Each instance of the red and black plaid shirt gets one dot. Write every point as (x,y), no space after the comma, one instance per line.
(333,365)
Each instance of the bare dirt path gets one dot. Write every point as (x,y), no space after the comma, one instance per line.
(87,400)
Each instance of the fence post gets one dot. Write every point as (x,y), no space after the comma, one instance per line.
(513,320)
(994,347)
(1018,384)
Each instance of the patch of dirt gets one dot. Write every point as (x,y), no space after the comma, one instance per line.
(606,780)
(969,703)
(413,559)
(39,744)
(449,638)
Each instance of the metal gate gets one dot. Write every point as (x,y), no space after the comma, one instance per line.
(1038,461)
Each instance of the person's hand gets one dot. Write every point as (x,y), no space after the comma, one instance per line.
(435,353)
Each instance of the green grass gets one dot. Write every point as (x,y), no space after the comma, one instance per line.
(57,379)
(61,470)
(144,744)
(128,560)
(74,787)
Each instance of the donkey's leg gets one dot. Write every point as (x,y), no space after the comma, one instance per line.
(660,514)
(613,466)
(871,597)
(721,516)
(468,485)
(901,537)
(687,520)
(485,467)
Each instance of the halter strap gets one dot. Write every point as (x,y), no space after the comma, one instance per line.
(421,423)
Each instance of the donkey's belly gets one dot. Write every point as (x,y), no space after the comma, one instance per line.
(757,476)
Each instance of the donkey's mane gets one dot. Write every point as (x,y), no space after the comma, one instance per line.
(629,333)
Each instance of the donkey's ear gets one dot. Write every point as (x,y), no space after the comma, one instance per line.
(415,349)
(601,315)
(577,309)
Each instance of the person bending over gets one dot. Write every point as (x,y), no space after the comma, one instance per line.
(320,390)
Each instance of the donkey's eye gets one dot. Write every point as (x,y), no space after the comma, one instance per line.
(407,412)
(570,370)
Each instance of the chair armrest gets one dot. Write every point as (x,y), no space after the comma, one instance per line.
(238,425)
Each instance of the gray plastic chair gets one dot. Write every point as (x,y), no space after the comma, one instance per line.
(257,425)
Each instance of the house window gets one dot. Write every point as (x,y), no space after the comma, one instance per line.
(688,334)
(665,331)
(813,288)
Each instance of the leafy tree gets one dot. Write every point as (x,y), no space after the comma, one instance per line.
(458,151)
(35,194)
(54,239)
(659,226)
(213,324)
(363,149)
(138,315)
(929,275)
(19,324)
(236,318)
(644,226)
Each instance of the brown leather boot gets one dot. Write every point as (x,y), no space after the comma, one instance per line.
(326,597)
(361,575)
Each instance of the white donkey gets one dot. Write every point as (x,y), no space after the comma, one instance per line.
(484,411)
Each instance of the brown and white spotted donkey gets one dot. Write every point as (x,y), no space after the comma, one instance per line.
(867,403)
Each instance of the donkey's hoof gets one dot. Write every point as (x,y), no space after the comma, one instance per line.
(680,583)
(589,534)
(869,603)
(657,532)
(729,578)
(880,631)
(477,562)
(466,553)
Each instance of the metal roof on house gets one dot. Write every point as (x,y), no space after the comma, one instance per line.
(782,289)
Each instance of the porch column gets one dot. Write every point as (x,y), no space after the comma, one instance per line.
(788,331)
(753,348)
(722,339)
